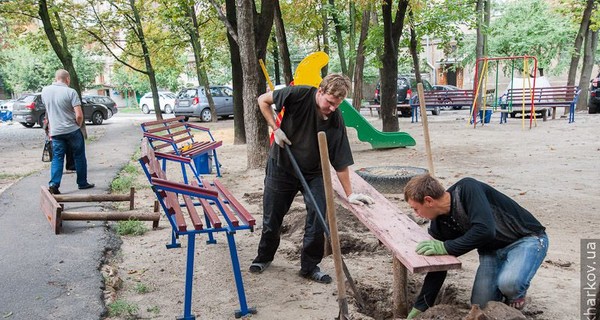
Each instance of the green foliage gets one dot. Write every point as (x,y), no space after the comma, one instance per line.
(131,227)
(122,183)
(124,309)
(153,309)
(141,288)
(532,27)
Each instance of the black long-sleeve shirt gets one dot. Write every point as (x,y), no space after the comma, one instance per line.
(481,218)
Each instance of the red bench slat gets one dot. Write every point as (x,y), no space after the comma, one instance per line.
(196,221)
(242,212)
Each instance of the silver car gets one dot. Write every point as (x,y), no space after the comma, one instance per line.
(192,102)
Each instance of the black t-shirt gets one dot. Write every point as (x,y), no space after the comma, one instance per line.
(301,123)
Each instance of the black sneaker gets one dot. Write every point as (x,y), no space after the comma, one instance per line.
(87,186)
(53,190)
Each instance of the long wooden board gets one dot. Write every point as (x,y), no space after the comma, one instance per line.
(393,228)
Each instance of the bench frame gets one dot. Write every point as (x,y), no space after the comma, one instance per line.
(176,134)
(213,198)
(398,233)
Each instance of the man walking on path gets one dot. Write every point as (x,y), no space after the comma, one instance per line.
(308,110)
(65,116)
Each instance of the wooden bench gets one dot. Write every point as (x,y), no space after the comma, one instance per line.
(176,137)
(398,233)
(200,207)
(53,209)
(436,100)
(522,101)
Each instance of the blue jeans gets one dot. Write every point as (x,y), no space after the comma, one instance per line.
(506,273)
(76,143)
(281,187)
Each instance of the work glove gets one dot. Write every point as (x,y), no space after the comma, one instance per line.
(413,313)
(280,137)
(431,247)
(360,199)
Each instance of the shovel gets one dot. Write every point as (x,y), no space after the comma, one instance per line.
(311,198)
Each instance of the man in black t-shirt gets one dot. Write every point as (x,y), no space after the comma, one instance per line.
(308,110)
(510,241)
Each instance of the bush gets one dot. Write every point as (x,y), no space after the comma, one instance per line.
(131,227)
(124,309)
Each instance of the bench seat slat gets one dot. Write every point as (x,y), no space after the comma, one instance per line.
(175,209)
(211,214)
(196,221)
(227,211)
(397,231)
(242,212)
(166,127)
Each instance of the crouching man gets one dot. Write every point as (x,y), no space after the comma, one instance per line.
(510,241)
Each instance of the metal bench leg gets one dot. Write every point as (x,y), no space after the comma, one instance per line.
(244,310)
(189,278)
(173,243)
(217,163)
(184,173)
(211,238)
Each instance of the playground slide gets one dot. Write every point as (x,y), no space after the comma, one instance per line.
(368,133)
(308,72)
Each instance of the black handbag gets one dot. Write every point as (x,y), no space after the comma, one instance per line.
(47,154)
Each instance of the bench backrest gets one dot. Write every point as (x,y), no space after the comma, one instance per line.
(542,95)
(450,97)
(213,198)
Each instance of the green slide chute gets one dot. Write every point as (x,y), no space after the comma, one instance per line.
(368,133)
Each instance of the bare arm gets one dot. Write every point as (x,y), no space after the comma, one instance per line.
(78,115)
(344,177)
(264,103)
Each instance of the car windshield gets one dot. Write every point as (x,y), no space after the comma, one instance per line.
(27,98)
(170,95)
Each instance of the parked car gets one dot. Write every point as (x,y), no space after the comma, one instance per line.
(449,88)
(166,99)
(103,100)
(405,87)
(29,110)
(192,102)
(594,102)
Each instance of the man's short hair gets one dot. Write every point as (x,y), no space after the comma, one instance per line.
(421,186)
(61,74)
(336,84)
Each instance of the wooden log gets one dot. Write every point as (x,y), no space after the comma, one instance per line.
(400,290)
(110,216)
(92,197)
(425,128)
(51,209)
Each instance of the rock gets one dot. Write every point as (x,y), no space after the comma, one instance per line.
(443,312)
(476,314)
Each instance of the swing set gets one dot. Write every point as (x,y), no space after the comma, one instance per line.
(520,100)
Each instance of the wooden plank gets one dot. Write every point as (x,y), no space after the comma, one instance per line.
(211,214)
(226,210)
(196,221)
(51,209)
(173,204)
(394,229)
(242,212)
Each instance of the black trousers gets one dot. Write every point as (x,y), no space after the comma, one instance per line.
(281,186)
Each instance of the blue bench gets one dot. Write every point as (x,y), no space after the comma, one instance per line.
(211,209)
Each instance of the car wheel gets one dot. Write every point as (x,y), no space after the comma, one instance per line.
(145,109)
(593,108)
(205,115)
(97,118)
(186,118)
(41,120)
(27,124)
(168,109)
(457,107)
(435,111)
(513,114)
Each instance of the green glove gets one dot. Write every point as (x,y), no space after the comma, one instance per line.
(431,247)
(413,313)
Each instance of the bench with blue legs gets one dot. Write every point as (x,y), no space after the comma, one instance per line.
(199,207)
(175,136)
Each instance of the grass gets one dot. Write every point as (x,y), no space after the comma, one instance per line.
(154,309)
(10,176)
(122,183)
(131,227)
(141,288)
(130,110)
(121,308)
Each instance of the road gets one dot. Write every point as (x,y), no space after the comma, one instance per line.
(47,276)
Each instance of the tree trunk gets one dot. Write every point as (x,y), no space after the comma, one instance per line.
(148,63)
(338,37)
(239,126)
(200,70)
(357,95)
(325,35)
(284,51)
(583,27)
(352,41)
(252,47)
(413,48)
(392,29)
(61,51)
(589,53)
(275,54)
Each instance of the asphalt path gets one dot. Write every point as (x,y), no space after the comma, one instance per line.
(47,276)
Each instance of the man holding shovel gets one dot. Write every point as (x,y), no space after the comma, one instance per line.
(308,110)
